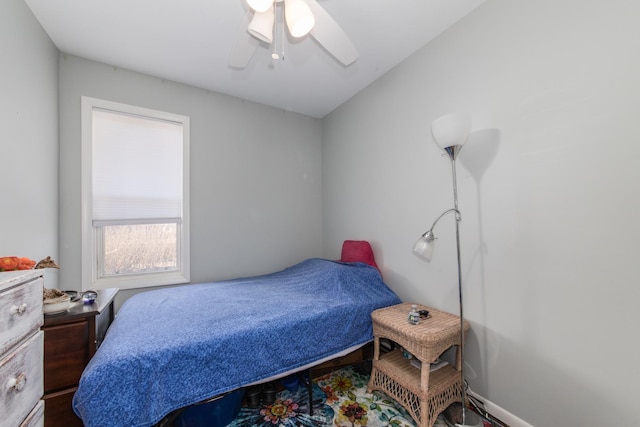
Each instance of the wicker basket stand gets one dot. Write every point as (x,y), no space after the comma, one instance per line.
(422,393)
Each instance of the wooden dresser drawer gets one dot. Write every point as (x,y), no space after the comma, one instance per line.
(36,417)
(66,353)
(60,410)
(21,380)
(20,312)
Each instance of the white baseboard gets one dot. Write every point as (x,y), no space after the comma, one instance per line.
(500,413)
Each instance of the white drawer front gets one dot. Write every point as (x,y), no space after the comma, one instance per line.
(20,313)
(21,380)
(36,417)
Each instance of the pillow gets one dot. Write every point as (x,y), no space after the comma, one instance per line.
(358,251)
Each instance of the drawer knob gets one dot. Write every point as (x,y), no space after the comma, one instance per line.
(18,382)
(18,309)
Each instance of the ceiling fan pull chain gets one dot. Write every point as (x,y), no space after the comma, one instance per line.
(276,34)
(278,39)
(282,34)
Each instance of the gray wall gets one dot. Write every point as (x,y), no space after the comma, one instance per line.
(255,173)
(549,203)
(29,142)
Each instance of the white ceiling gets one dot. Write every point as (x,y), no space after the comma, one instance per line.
(189,41)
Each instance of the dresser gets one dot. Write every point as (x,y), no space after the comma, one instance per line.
(70,340)
(21,349)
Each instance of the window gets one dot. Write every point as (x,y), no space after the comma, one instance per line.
(135,180)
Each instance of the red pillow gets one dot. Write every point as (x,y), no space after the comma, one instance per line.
(358,251)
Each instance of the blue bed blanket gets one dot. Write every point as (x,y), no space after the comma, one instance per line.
(174,347)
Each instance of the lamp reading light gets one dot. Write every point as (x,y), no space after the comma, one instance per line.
(423,248)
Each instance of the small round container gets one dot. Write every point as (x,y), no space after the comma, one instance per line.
(89,297)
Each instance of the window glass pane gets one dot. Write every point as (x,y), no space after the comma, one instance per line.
(142,248)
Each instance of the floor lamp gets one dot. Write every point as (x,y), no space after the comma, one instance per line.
(450,133)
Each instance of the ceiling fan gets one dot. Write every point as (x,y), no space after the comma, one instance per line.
(302,17)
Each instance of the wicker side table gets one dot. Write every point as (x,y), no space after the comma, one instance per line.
(422,393)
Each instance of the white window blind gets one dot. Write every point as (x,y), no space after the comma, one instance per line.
(137,169)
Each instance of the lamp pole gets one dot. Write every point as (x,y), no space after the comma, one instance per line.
(452,155)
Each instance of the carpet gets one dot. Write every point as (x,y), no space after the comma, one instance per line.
(340,399)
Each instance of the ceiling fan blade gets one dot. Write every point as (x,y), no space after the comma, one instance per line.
(331,36)
(244,46)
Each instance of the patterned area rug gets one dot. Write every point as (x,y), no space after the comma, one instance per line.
(340,399)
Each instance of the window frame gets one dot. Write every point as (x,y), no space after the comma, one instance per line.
(92,236)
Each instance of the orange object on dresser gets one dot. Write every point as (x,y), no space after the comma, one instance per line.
(10,263)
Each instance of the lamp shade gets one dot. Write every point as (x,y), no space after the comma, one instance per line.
(299,18)
(452,129)
(261,26)
(260,5)
(423,248)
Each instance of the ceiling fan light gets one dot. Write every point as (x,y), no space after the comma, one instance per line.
(299,18)
(261,26)
(260,5)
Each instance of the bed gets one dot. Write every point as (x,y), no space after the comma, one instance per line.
(175,347)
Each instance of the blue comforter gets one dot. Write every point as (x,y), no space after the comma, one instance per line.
(173,347)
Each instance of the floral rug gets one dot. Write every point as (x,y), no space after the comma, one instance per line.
(340,399)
